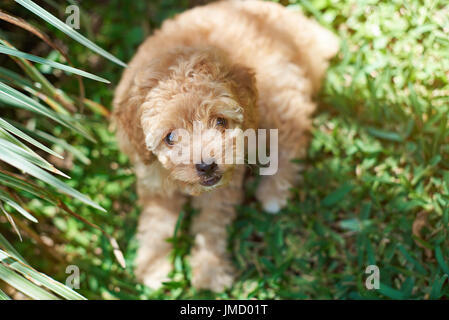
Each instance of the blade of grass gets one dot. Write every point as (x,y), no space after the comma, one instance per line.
(412,260)
(390,292)
(435,292)
(440,260)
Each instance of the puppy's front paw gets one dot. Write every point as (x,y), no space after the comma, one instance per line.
(273,193)
(154,273)
(210,270)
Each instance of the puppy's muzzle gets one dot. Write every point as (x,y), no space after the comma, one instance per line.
(208,173)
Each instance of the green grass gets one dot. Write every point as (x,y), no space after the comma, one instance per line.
(377,162)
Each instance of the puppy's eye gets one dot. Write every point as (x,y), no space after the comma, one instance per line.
(170,139)
(222,122)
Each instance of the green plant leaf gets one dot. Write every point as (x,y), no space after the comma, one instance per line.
(59,142)
(7,126)
(57,65)
(11,221)
(21,163)
(10,249)
(11,76)
(14,182)
(17,99)
(39,81)
(4,296)
(4,197)
(23,285)
(51,19)
(30,156)
(43,279)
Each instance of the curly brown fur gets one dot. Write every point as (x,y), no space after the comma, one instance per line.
(254,63)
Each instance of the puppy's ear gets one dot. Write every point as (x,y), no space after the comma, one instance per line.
(243,83)
(129,96)
(141,76)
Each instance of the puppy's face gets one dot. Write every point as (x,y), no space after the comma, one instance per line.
(191,115)
(189,127)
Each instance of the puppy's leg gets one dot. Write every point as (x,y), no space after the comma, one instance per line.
(156,223)
(293,122)
(211,267)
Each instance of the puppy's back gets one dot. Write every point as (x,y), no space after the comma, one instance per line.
(257,34)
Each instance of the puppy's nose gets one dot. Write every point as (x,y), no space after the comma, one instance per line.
(206,168)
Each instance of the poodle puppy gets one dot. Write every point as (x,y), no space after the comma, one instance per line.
(226,65)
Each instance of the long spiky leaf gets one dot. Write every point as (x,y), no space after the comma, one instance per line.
(21,163)
(51,19)
(57,65)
